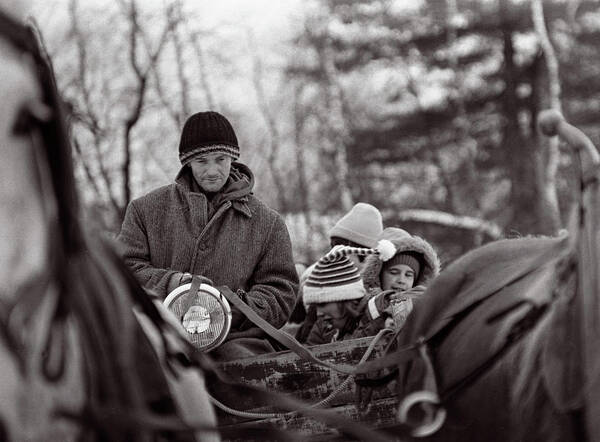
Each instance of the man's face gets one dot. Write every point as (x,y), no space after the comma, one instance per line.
(211,170)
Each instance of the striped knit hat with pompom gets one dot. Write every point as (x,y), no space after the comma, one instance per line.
(335,278)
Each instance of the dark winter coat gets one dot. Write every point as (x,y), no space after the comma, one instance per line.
(243,245)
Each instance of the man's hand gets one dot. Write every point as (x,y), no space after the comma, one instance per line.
(237,317)
(180,278)
(203,279)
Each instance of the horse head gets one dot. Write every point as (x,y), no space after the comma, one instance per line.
(83,349)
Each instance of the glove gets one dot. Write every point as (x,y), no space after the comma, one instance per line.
(379,304)
(414,292)
(175,281)
(179,278)
(203,279)
(237,317)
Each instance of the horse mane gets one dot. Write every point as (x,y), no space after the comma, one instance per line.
(477,275)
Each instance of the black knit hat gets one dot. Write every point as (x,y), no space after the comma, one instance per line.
(207,132)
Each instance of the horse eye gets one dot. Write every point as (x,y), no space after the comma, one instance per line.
(23,123)
(30,115)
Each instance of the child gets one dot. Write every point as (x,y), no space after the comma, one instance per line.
(360,227)
(332,293)
(398,281)
(335,294)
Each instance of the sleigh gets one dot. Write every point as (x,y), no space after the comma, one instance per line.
(315,385)
(538,312)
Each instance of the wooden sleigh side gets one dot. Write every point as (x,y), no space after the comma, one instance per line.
(287,373)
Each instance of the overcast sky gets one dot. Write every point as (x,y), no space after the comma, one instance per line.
(266,16)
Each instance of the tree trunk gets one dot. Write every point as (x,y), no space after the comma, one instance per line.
(547,148)
(337,127)
(272,128)
(519,154)
(303,189)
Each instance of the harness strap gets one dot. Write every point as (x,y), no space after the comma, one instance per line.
(323,403)
(281,337)
(286,402)
(399,356)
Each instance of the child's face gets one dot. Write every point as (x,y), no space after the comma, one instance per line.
(399,277)
(332,312)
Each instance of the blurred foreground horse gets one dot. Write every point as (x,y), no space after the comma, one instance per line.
(76,363)
(505,344)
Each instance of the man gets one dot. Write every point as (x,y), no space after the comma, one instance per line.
(208,223)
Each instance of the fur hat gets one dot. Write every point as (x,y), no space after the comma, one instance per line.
(206,132)
(361,225)
(335,278)
(403,242)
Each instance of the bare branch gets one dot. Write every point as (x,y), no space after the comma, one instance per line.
(303,187)
(165,102)
(274,138)
(87,116)
(88,173)
(448,220)
(196,44)
(335,118)
(142,81)
(176,18)
(82,64)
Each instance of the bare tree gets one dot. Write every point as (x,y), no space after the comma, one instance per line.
(97,130)
(141,74)
(303,192)
(274,138)
(334,120)
(87,115)
(195,38)
(492,230)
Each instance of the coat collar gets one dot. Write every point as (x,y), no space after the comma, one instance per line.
(237,189)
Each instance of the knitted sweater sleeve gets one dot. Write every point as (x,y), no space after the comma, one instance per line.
(135,251)
(274,284)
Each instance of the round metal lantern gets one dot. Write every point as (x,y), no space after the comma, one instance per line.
(205,315)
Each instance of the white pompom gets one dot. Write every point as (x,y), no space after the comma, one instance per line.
(386,249)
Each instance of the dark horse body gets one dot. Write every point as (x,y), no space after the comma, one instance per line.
(84,353)
(527,390)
